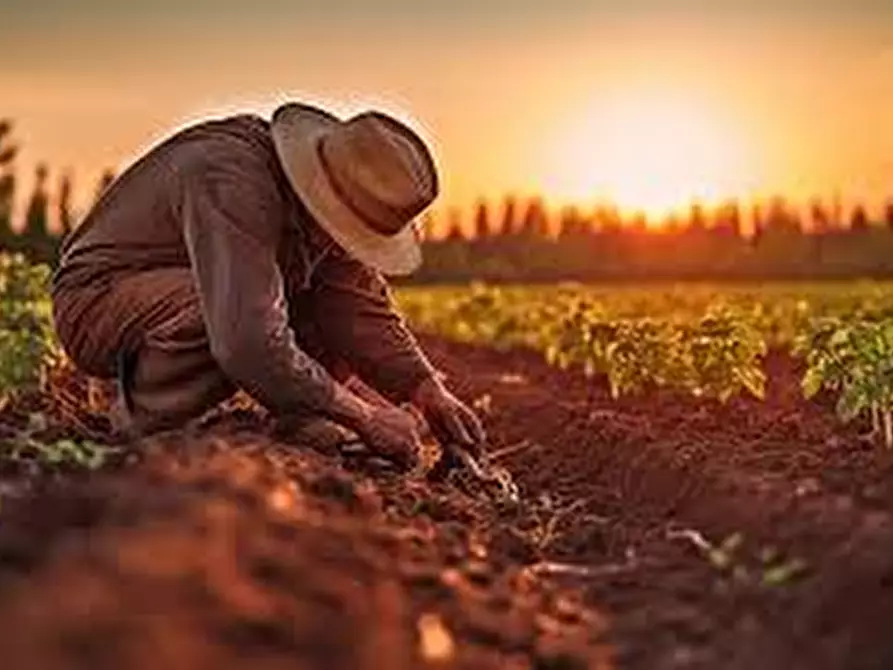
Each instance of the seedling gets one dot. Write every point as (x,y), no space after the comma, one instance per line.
(27,342)
(856,361)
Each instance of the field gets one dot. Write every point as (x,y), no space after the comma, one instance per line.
(704,483)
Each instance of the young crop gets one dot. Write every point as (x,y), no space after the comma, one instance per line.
(855,360)
(28,448)
(714,355)
(26,334)
(722,354)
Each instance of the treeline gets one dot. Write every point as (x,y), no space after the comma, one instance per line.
(49,214)
(526,241)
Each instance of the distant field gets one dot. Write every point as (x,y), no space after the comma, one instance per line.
(680,298)
(707,340)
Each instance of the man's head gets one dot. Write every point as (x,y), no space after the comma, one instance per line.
(364,180)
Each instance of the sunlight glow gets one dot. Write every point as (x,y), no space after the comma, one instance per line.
(653,153)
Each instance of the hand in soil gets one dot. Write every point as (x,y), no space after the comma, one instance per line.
(451,420)
(394,433)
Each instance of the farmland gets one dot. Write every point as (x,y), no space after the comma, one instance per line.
(704,479)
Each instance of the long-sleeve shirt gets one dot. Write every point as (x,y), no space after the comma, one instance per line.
(214,198)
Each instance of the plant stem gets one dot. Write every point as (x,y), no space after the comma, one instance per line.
(888,428)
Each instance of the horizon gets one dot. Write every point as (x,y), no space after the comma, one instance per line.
(650,107)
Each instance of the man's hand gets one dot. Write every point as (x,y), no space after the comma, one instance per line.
(392,432)
(388,430)
(451,420)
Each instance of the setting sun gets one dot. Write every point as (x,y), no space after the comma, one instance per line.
(653,153)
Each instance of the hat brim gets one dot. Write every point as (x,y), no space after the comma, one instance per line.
(297,130)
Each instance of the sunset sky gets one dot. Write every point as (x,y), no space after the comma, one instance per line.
(647,102)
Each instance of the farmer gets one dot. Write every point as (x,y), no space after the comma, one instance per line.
(246,253)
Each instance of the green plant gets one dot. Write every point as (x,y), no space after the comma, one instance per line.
(80,454)
(854,359)
(27,447)
(656,341)
(27,342)
(722,354)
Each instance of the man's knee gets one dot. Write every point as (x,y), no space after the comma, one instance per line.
(168,373)
(80,332)
(98,324)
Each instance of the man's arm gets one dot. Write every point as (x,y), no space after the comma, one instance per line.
(359,323)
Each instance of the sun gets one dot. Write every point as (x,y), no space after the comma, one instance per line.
(651,153)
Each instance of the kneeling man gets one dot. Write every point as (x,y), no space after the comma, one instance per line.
(242,253)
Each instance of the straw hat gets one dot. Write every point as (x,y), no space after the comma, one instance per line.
(364,180)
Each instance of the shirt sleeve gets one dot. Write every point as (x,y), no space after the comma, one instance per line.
(231,229)
(360,324)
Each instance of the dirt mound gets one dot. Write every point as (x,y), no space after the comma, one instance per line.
(656,532)
(804,498)
(234,551)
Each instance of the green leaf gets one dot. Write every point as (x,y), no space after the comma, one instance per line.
(812,382)
(851,403)
(784,573)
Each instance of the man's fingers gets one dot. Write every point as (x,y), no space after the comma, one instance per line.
(473,425)
(453,428)
(460,433)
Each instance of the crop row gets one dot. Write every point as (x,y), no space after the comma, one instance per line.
(707,342)
(702,340)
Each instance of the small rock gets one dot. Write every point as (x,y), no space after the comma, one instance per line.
(477,548)
(435,640)
(512,378)
(548,625)
(283,498)
(452,578)
(808,486)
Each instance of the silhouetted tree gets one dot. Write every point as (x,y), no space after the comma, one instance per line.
(535,222)
(837,222)
(65,216)
(819,216)
(888,215)
(454,227)
(671,223)
(509,225)
(607,219)
(482,222)
(758,221)
(697,219)
(735,218)
(36,218)
(105,180)
(859,219)
(728,219)
(8,153)
(571,222)
(639,222)
(780,217)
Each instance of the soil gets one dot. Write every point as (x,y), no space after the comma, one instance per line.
(655,532)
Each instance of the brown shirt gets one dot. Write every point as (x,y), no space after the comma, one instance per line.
(214,198)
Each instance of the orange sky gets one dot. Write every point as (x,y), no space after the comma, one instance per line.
(567,98)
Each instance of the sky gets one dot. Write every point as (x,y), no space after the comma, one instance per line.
(646,102)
